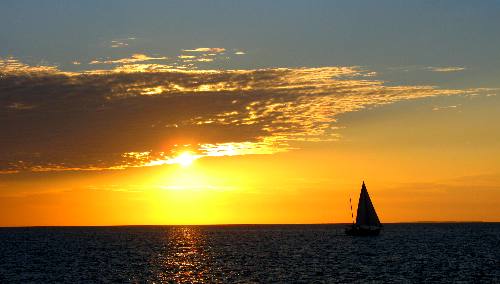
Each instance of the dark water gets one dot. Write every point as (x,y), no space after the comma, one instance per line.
(277,253)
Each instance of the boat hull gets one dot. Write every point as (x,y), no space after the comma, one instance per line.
(357,231)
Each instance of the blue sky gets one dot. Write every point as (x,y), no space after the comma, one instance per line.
(380,35)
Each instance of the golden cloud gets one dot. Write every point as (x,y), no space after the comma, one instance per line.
(137,57)
(144,114)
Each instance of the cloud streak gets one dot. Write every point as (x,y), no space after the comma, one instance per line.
(438,108)
(111,119)
(445,69)
(117,43)
(206,49)
(137,57)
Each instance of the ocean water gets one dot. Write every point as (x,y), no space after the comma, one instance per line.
(462,252)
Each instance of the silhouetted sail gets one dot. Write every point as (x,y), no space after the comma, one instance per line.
(366,215)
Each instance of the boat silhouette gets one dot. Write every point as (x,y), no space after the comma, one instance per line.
(367,222)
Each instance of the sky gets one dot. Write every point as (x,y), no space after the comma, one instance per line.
(237,112)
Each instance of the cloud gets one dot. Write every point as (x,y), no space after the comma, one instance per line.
(12,66)
(137,57)
(206,49)
(205,59)
(413,68)
(146,114)
(202,55)
(437,108)
(20,106)
(445,69)
(117,43)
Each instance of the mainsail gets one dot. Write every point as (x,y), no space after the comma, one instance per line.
(366,215)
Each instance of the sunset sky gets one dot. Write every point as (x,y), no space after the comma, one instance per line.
(218,112)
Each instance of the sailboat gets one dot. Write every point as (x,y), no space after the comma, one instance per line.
(367,222)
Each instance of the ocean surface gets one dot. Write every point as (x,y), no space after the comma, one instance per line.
(455,252)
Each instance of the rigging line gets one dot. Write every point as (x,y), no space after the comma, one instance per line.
(352,215)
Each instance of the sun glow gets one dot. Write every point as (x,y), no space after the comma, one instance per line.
(185,159)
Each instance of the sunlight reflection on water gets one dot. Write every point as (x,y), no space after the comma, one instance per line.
(186,260)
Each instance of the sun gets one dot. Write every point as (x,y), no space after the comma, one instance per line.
(185,159)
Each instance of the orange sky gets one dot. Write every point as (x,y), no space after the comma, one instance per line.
(417,164)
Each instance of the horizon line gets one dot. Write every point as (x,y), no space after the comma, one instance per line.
(244,224)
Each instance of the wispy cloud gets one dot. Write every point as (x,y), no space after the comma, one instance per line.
(20,106)
(206,49)
(137,57)
(205,59)
(146,114)
(437,108)
(445,69)
(117,43)
(202,55)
